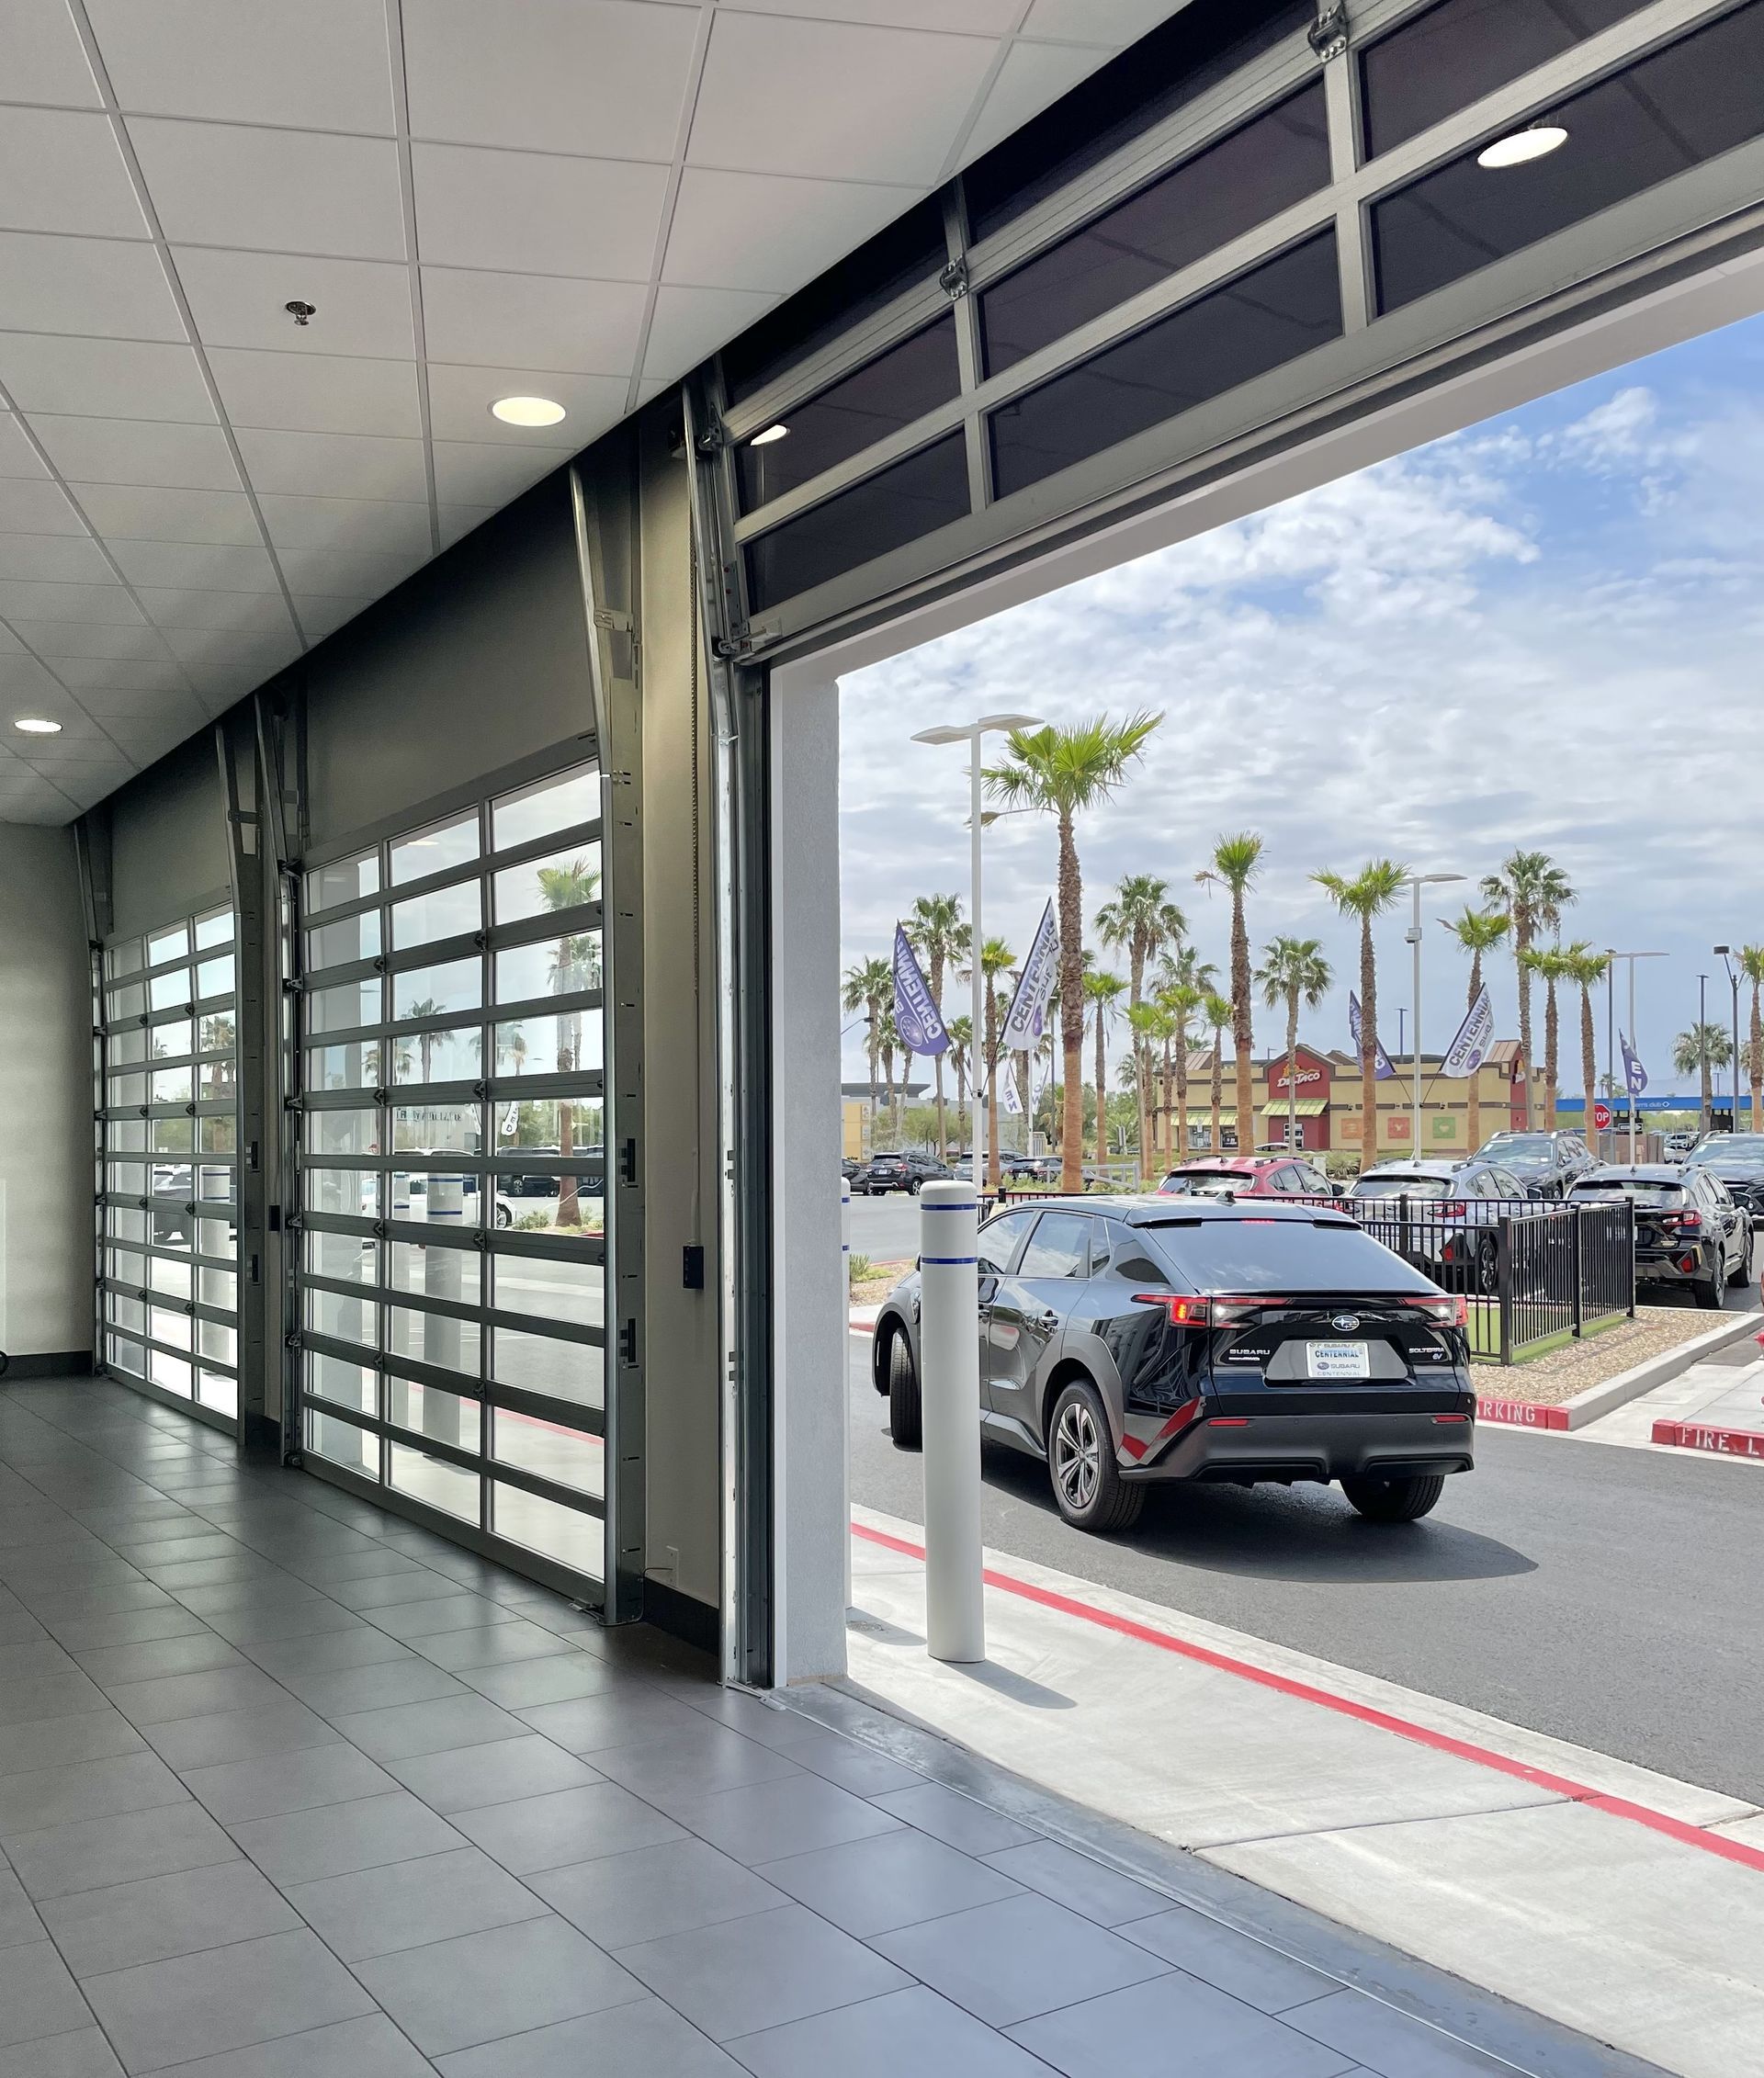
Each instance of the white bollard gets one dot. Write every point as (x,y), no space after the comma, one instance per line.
(949,1388)
(845,1279)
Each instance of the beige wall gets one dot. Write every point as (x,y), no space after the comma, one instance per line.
(46,1175)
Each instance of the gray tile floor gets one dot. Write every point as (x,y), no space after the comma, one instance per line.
(290,1789)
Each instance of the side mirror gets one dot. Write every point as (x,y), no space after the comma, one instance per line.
(989,1290)
(1339,1190)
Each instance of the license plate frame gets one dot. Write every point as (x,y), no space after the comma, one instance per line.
(1327,1361)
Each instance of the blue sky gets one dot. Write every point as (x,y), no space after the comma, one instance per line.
(1547,630)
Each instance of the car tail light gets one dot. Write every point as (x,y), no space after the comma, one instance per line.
(1182,1312)
(1451,1212)
(1687,1264)
(1687,1221)
(1443,1418)
(1444,1309)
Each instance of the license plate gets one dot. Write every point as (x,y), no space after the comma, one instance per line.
(1338,1360)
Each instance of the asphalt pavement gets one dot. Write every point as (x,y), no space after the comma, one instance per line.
(1607,1596)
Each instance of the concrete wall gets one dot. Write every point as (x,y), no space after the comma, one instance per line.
(46,1177)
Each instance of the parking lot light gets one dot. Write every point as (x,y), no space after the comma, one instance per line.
(1416,881)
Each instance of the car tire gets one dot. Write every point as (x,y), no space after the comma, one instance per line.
(1707,1290)
(1741,1272)
(1485,1280)
(1089,1490)
(906,1418)
(504,1217)
(912,1188)
(1395,1500)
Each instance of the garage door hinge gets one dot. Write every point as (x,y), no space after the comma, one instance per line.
(1329,33)
(745,643)
(614,621)
(953,281)
(627,1342)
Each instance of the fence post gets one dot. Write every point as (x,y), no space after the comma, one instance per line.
(1576,1267)
(1631,1307)
(1504,1285)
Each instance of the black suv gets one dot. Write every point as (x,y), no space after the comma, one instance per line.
(1546,1164)
(1739,1159)
(1688,1231)
(1127,1341)
(906,1172)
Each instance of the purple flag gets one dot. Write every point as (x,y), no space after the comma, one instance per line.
(1634,1074)
(1383,1072)
(916,1015)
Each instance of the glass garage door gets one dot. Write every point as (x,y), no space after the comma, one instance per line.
(452,1227)
(168,1266)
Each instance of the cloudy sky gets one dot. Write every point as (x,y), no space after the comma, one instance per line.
(1547,632)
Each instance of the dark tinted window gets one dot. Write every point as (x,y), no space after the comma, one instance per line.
(999,1240)
(1671,111)
(1061,1246)
(1163,71)
(1284,1255)
(912,248)
(1614,1189)
(895,506)
(878,399)
(1453,54)
(1234,184)
(1272,314)
(1130,1259)
(1400,1187)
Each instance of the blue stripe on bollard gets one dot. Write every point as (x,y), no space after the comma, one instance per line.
(949,1263)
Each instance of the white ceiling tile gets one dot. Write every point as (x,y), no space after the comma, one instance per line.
(214,654)
(321,614)
(376,524)
(335,571)
(101,286)
(553,75)
(970,17)
(468,473)
(323,64)
(122,378)
(179,457)
(235,612)
(283,190)
(1114,22)
(239,298)
(134,512)
(193,567)
(10,645)
(53,639)
(533,212)
(60,171)
(35,505)
(457,521)
(56,559)
(17,457)
(106,605)
(511,319)
(460,398)
(1032,75)
(98,682)
(692,322)
(767,231)
(21,673)
(318,393)
(865,103)
(41,57)
(334,465)
(652,386)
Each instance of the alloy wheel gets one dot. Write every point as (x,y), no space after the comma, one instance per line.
(1078,1455)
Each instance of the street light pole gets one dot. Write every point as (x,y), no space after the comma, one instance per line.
(1629,1094)
(1733,982)
(1417,882)
(988,725)
(1703,1118)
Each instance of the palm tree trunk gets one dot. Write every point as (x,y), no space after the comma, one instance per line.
(1368,1048)
(1756,1064)
(1101,1091)
(1178,1123)
(1705,1080)
(1589,1065)
(1218,1079)
(1522,945)
(1242,1028)
(1292,1069)
(1551,1055)
(1071,1008)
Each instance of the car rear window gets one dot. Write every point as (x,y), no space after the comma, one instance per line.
(1645,1193)
(1284,1255)
(1402,1187)
(1205,1182)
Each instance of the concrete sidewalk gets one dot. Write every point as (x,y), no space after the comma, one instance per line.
(1619,1902)
(1723,1393)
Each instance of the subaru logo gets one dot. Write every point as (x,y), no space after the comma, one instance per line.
(1344,1322)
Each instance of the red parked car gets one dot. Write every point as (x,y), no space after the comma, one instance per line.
(1246,1176)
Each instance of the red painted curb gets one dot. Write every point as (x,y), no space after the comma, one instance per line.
(861,1326)
(1364,1714)
(1522,1414)
(1697,1436)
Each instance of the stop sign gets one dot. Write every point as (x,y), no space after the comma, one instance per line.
(1601,1117)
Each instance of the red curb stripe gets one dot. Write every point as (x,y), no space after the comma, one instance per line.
(1522,1414)
(862,1326)
(1364,1714)
(1698,1436)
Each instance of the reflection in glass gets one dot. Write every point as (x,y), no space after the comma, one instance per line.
(214,977)
(214,1033)
(454,1056)
(552,804)
(169,945)
(217,1080)
(436,1128)
(171,1086)
(220,1135)
(215,1389)
(174,1136)
(543,886)
(551,1046)
(343,1133)
(171,1041)
(352,1193)
(413,1269)
(550,1289)
(347,1259)
(553,1530)
(352,1066)
(349,939)
(443,1485)
(166,991)
(433,991)
(171,1374)
(332,1378)
(214,930)
(544,1363)
(343,1443)
(341,1316)
(345,1008)
(554,966)
(443,912)
(435,849)
(436,1338)
(346,881)
(552,1452)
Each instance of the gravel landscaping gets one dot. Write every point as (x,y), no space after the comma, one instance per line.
(1560,1373)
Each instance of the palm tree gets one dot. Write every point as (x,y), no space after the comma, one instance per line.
(1236,862)
(888,1041)
(1148,1022)
(1186,980)
(428,1007)
(1142,922)
(1294,971)
(961,1039)
(575,966)
(1584,969)
(1217,1010)
(1545,962)
(995,959)
(868,987)
(1700,1049)
(1478,932)
(1372,891)
(937,934)
(1103,991)
(1751,964)
(1062,773)
(1534,891)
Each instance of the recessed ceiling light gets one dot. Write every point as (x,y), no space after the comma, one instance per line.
(37,724)
(1523,146)
(770,433)
(527,410)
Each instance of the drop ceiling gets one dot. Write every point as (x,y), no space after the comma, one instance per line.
(576,199)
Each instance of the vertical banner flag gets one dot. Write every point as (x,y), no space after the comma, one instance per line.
(1009,1100)
(1634,1074)
(1034,990)
(916,1015)
(1383,1071)
(1468,1052)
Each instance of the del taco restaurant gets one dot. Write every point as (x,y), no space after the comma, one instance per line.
(1326,1091)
